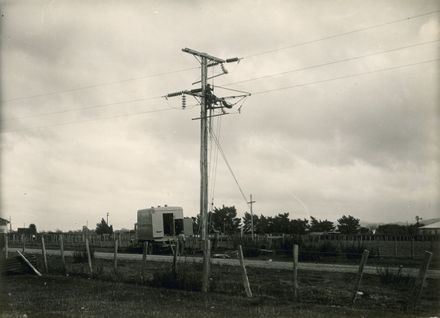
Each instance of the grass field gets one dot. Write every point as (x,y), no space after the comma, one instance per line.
(124,293)
(58,296)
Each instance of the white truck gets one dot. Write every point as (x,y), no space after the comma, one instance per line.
(162,223)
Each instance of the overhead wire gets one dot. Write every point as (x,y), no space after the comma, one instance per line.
(217,142)
(97,85)
(246,56)
(342,34)
(346,76)
(84,108)
(330,63)
(96,119)
(258,92)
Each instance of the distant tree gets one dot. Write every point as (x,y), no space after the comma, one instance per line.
(280,223)
(103,228)
(196,224)
(364,230)
(32,229)
(247,223)
(263,225)
(299,226)
(396,229)
(320,226)
(225,220)
(348,225)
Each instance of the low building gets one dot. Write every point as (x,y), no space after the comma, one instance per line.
(430,229)
(4,225)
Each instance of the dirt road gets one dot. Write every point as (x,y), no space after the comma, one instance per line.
(251,263)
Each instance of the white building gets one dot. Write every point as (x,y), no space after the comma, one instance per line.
(4,226)
(433,228)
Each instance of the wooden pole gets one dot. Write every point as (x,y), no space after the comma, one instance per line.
(29,263)
(295,272)
(206,263)
(144,259)
(247,287)
(360,273)
(174,268)
(63,260)
(412,248)
(43,251)
(6,246)
(115,257)
(24,242)
(420,281)
(89,257)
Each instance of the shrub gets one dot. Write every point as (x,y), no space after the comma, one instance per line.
(328,249)
(353,252)
(390,276)
(186,278)
(80,256)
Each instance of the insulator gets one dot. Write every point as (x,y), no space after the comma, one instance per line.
(183,101)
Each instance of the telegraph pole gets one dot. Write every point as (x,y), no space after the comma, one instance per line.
(252,216)
(208,101)
(204,151)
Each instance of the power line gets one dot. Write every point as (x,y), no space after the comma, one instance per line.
(228,165)
(330,63)
(97,119)
(237,82)
(342,34)
(84,108)
(345,76)
(192,68)
(97,85)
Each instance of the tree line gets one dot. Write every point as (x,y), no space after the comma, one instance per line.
(224,220)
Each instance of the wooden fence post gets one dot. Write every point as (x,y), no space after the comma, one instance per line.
(144,259)
(174,268)
(206,263)
(23,242)
(247,287)
(420,280)
(63,260)
(43,251)
(89,257)
(115,257)
(6,246)
(360,273)
(412,248)
(295,272)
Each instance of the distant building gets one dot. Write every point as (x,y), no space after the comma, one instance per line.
(431,229)
(4,225)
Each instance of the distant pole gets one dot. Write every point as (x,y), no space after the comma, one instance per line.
(107,217)
(252,217)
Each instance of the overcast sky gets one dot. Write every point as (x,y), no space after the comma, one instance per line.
(355,137)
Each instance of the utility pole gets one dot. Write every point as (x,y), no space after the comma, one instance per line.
(252,216)
(107,217)
(208,101)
